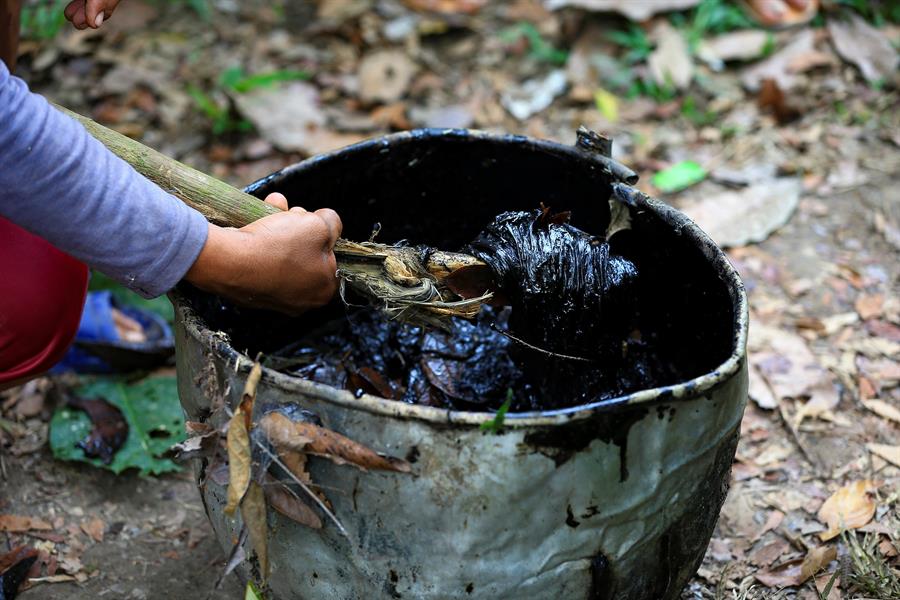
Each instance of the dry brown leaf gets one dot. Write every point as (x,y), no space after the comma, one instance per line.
(238,441)
(869,306)
(737,218)
(253,512)
(785,361)
(385,75)
(94,528)
(888,453)
(850,507)
(670,63)
(769,553)
(816,560)
(745,44)
(795,572)
(20,524)
(784,575)
(883,409)
(311,439)
(447,7)
(777,66)
(291,506)
(760,392)
(635,10)
(865,46)
(823,398)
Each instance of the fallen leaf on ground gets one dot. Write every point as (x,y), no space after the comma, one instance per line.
(238,443)
(636,11)
(534,95)
(14,567)
(883,409)
(289,116)
(760,392)
(286,434)
(385,75)
(772,98)
(885,451)
(453,7)
(869,306)
(777,66)
(766,555)
(864,46)
(816,560)
(823,398)
(745,44)
(850,507)
(670,63)
(291,506)
(679,176)
(20,524)
(795,572)
(109,430)
(253,512)
(153,415)
(737,218)
(94,528)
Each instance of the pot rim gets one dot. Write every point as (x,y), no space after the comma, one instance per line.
(692,388)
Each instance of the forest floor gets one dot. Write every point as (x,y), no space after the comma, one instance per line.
(784,146)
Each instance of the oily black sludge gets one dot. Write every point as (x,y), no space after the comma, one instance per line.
(568,333)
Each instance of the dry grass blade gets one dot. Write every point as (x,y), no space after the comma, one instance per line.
(870,573)
(311,439)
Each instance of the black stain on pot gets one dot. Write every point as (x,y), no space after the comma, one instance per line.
(570,518)
(390,586)
(562,442)
(590,511)
(470,587)
(601,579)
(412,456)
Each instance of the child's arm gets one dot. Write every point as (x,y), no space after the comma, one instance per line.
(61,184)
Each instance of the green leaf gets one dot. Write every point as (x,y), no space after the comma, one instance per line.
(252,82)
(540,49)
(495,425)
(607,104)
(252,593)
(679,176)
(154,417)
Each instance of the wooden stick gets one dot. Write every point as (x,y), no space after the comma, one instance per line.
(227,206)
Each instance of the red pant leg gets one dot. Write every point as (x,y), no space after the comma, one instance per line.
(42,293)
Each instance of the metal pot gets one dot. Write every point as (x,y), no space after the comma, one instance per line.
(615,499)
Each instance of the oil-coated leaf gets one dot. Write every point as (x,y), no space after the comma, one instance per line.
(153,414)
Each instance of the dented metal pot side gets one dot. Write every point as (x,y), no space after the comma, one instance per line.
(612,500)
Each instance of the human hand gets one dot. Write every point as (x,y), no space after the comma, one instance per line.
(89,13)
(283,262)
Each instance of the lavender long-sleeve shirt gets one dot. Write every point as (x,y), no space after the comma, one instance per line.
(60,183)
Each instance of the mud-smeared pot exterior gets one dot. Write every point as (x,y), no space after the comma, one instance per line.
(615,500)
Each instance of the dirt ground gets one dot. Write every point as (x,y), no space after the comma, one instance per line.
(809,169)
